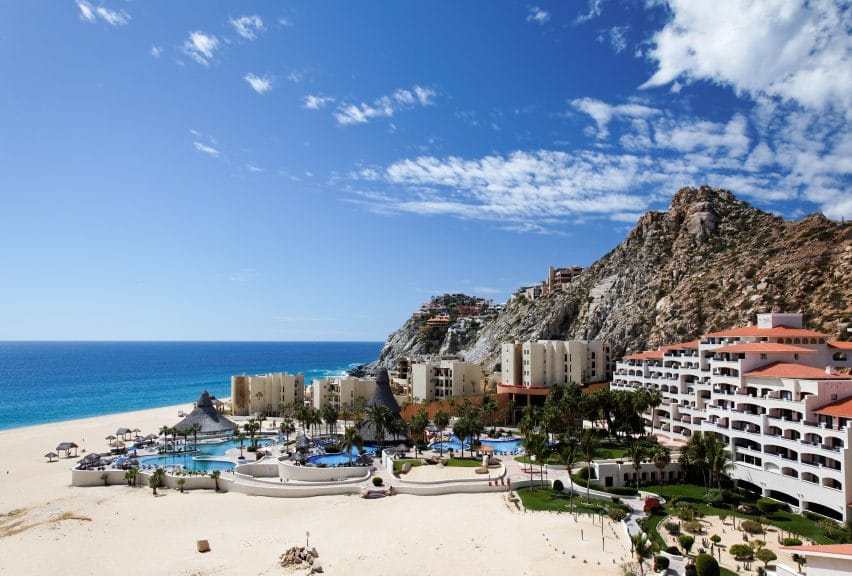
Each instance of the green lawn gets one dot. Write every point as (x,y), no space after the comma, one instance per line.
(465,462)
(547,499)
(787,521)
(397,465)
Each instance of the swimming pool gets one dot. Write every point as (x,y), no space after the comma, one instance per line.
(339,459)
(201,460)
(499,446)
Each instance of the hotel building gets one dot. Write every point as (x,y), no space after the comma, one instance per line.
(342,392)
(264,392)
(529,369)
(772,394)
(436,378)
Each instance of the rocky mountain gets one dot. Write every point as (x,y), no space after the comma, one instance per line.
(708,263)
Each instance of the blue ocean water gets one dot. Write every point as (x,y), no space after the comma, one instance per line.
(53,381)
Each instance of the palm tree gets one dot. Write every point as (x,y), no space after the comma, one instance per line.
(588,444)
(330,414)
(194,429)
(642,549)
(287,427)
(379,416)
(241,438)
(567,452)
(130,476)
(417,426)
(536,445)
(165,431)
(351,439)
(636,452)
(180,483)
(155,479)
(661,456)
(252,426)
(105,478)
(215,475)
(655,398)
(694,455)
(461,428)
(442,420)
(718,458)
(488,406)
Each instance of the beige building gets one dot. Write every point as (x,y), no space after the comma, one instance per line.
(438,378)
(544,363)
(264,392)
(341,392)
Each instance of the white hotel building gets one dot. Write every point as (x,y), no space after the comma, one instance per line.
(772,394)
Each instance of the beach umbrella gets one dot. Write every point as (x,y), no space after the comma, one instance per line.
(136,431)
(110,439)
(51,455)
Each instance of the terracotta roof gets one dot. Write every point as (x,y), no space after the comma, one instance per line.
(820,549)
(784,331)
(652,355)
(692,345)
(763,347)
(792,370)
(840,345)
(841,408)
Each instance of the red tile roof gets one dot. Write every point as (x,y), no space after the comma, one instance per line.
(832,549)
(652,355)
(692,345)
(763,347)
(783,331)
(840,345)
(841,408)
(792,370)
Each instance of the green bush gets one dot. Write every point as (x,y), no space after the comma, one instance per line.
(620,490)
(689,570)
(686,541)
(768,506)
(706,565)
(616,514)
(377,481)
(766,556)
(751,526)
(558,486)
(714,497)
(332,449)
(741,552)
(672,528)
(660,563)
(693,526)
(791,542)
(673,550)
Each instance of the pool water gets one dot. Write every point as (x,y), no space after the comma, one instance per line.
(341,459)
(188,461)
(500,446)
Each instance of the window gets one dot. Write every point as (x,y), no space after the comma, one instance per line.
(763,356)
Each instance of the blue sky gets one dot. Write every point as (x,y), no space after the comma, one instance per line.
(316,170)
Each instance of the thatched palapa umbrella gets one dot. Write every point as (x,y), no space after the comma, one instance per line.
(110,439)
(51,455)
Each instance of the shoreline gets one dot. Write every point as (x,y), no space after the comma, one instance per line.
(45,520)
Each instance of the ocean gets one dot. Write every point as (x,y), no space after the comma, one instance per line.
(44,382)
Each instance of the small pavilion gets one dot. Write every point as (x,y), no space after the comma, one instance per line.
(208,417)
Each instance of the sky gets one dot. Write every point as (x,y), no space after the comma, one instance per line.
(316,170)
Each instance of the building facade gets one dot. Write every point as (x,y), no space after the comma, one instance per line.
(772,394)
(437,378)
(264,392)
(533,367)
(343,393)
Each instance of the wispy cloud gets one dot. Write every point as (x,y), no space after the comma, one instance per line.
(260,84)
(602,113)
(616,37)
(385,106)
(315,102)
(206,149)
(253,168)
(89,13)
(155,51)
(248,26)
(537,15)
(595,10)
(797,51)
(201,47)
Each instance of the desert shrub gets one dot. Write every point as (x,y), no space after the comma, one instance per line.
(673,550)
(791,542)
(714,497)
(685,511)
(660,563)
(692,526)
(715,538)
(706,565)
(751,526)
(672,527)
(622,490)
(768,506)
(741,552)
(616,514)
(558,486)
(832,529)
(377,481)
(686,541)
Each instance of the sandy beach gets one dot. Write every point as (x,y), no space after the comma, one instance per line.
(46,524)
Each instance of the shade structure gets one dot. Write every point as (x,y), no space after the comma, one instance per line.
(123,431)
(211,422)
(51,455)
(67,447)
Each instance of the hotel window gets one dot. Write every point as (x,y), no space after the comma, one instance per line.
(763,356)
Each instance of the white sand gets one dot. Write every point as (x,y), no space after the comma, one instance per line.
(117,529)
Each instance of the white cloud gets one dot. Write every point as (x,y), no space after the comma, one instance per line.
(201,47)
(295,77)
(260,84)
(385,106)
(602,113)
(618,38)
(253,168)
(284,22)
(595,10)
(248,26)
(796,50)
(155,51)
(89,13)
(113,17)
(537,15)
(206,149)
(315,102)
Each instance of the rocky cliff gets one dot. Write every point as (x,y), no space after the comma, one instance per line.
(708,263)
